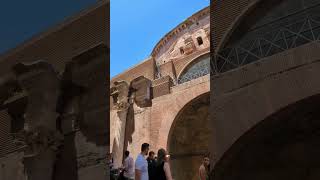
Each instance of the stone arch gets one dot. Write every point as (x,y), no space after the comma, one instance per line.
(180,113)
(284,145)
(193,62)
(188,137)
(178,98)
(234,24)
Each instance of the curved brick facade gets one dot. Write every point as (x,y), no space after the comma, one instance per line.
(225,16)
(242,98)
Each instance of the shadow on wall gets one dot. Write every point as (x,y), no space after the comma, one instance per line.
(66,164)
(285,145)
(130,127)
(128,131)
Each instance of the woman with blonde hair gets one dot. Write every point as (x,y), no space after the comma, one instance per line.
(163,171)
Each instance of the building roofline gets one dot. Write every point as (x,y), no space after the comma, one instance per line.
(55,28)
(179,28)
(136,65)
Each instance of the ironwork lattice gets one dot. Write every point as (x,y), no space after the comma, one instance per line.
(284,38)
(198,69)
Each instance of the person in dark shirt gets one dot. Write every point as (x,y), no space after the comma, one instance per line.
(163,171)
(151,165)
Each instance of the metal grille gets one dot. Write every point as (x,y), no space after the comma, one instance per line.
(284,38)
(200,68)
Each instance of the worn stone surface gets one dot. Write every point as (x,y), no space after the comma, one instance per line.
(93,172)
(142,91)
(12,167)
(66,103)
(39,135)
(120,107)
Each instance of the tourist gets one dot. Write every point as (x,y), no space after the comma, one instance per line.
(204,168)
(141,165)
(163,171)
(151,165)
(128,167)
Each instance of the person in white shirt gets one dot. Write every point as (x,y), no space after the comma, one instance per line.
(141,165)
(128,167)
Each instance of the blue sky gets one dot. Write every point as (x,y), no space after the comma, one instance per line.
(137,26)
(20,20)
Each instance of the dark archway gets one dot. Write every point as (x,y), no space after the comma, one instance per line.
(285,145)
(189,138)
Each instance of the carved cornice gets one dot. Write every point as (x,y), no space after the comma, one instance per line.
(185,24)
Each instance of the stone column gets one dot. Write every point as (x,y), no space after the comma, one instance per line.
(39,135)
(119,93)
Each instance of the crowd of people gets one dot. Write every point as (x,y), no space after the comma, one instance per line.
(147,166)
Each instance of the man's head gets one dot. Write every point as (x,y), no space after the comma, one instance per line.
(126,154)
(151,155)
(206,160)
(145,149)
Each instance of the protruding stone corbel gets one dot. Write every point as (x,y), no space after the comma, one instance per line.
(120,93)
(142,91)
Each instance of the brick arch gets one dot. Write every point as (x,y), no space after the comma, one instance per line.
(244,13)
(188,137)
(180,113)
(227,15)
(173,103)
(290,127)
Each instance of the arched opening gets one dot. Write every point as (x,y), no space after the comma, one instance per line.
(285,145)
(189,138)
(197,68)
(268,28)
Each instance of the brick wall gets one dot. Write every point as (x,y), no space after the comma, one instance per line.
(223,14)
(60,44)
(146,69)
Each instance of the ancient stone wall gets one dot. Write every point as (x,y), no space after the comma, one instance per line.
(11,167)
(63,90)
